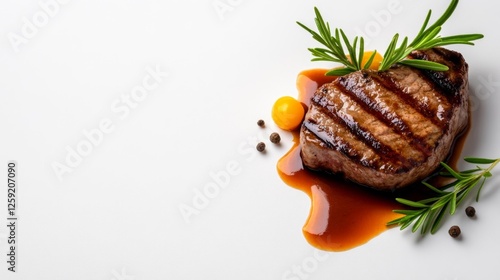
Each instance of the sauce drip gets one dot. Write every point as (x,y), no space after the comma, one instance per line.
(343,215)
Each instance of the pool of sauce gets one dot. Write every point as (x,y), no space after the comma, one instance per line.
(343,215)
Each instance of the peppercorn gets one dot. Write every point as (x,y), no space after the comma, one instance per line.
(454,231)
(470,211)
(275,138)
(261,123)
(261,146)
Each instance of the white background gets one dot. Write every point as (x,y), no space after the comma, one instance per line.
(66,67)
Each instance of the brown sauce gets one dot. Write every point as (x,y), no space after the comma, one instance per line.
(343,215)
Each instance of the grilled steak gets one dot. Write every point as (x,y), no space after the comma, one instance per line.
(387,129)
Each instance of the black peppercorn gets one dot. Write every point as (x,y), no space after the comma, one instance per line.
(454,231)
(261,147)
(470,211)
(261,123)
(275,138)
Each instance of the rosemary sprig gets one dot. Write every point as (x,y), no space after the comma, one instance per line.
(428,213)
(428,37)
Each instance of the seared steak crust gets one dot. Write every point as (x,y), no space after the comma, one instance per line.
(387,129)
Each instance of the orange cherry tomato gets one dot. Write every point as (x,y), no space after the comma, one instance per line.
(288,113)
(376,60)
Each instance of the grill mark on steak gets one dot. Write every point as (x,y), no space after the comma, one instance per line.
(393,110)
(342,106)
(417,91)
(449,81)
(349,148)
(335,135)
